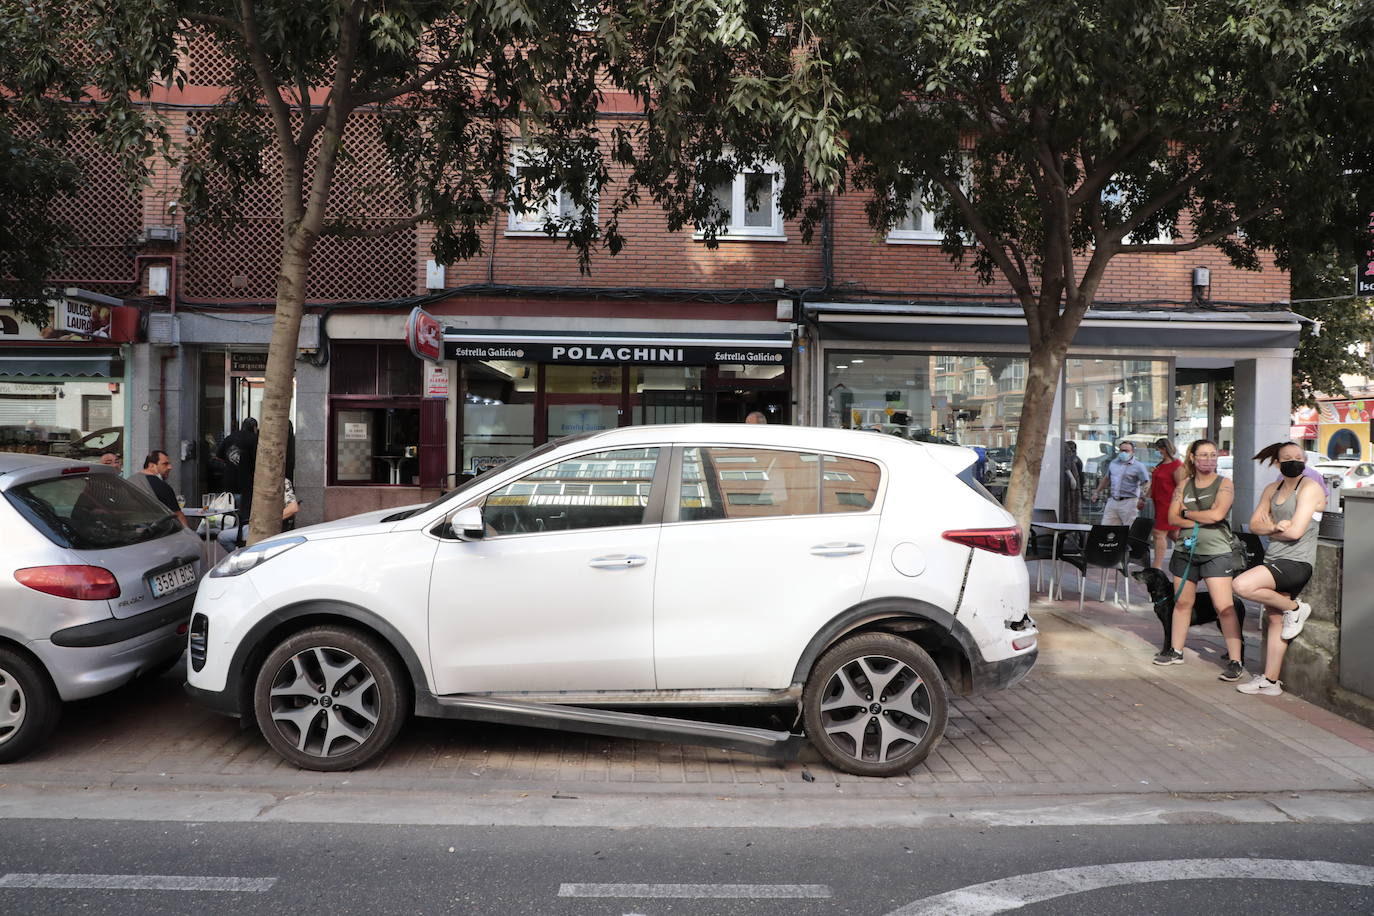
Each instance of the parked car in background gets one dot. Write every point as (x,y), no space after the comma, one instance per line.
(96,587)
(93,445)
(1341,473)
(853,577)
(1226,465)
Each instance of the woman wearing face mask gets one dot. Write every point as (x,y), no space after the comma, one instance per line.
(1164,479)
(1199,510)
(1288,512)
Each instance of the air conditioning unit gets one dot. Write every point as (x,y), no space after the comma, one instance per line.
(163,329)
(161,234)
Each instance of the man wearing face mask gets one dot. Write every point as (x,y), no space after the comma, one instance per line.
(1129,484)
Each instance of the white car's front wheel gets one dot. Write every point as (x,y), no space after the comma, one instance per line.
(329,698)
(875,705)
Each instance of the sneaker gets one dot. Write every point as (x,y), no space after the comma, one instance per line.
(1294,619)
(1261,684)
(1169,657)
(1233,671)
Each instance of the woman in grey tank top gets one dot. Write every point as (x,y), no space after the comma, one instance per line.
(1288,512)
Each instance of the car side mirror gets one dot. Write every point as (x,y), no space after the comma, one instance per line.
(467,524)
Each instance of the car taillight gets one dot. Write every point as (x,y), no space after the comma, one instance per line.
(1006,541)
(85,583)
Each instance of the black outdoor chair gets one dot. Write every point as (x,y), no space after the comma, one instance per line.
(1104,547)
(1040,545)
(1139,540)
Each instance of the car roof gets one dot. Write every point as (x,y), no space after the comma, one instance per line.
(13,463)
(867,442)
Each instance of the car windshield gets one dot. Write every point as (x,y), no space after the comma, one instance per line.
(87,511)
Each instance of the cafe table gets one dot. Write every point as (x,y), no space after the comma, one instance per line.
(1057,531)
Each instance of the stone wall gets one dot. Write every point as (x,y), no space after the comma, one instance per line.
(1311,669)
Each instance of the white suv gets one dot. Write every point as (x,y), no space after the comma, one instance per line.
(854,576)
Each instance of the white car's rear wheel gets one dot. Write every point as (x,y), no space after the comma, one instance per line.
(875,705)
(329,698)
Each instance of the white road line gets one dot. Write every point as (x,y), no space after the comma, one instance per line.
(1023,890)
(137,882)
(689,891)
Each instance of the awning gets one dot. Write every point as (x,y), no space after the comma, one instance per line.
(1303,431)
(58,366)
(615,348)
(973,323)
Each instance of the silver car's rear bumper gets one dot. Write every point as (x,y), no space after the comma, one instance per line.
(95,658)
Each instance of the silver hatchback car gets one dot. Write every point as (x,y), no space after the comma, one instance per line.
(97,580)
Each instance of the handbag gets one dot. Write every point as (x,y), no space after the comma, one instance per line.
(215,504)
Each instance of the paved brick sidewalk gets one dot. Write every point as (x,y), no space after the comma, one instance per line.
(1094,718)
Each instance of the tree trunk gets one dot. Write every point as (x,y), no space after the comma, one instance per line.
(265,518)
(1042,383)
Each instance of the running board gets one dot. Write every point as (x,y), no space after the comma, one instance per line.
(760,741)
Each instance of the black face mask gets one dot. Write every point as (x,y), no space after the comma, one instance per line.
(1292,468)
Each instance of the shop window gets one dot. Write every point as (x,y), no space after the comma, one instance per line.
(70,418)
(599,490)
(375,415)
(778,483)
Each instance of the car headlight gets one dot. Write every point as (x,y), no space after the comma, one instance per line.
(240,562)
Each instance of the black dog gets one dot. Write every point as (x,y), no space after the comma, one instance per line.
(1162,594)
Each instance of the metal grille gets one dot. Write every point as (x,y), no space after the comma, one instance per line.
(242,262)
(207,64)
(107,217)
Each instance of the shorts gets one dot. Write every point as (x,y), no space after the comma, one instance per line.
(1290,576)
(1217,566)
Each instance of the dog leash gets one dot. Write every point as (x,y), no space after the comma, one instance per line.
(1191,541)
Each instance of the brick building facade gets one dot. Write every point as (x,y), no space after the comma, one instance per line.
(852,329)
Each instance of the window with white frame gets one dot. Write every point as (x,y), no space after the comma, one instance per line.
(917,225)
(1114,196)
(528,214)
(751,201)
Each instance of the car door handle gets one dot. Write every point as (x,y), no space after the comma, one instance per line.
(618,561)
(837,549)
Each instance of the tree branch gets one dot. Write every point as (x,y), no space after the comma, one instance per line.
(342,229)
(1207,239)
(223,22)
(292,155)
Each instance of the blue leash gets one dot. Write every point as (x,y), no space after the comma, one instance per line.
(1191,541)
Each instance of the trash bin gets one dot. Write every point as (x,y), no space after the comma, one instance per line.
(1357,585)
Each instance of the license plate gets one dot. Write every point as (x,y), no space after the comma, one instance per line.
(173,580)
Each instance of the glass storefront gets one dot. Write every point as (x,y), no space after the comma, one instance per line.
(510,406)
(976,400)
(63,416)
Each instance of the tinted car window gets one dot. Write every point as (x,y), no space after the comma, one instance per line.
(719,483)
(598,490)
(848,484)
(92,511)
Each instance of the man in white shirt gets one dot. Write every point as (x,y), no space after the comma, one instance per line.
(1129,484)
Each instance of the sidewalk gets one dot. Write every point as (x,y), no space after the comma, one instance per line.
(1094,720)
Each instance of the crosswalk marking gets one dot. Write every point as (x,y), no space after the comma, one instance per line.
(709,891)
(136,882)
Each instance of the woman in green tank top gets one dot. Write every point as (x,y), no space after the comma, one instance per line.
(1288,512)
(1199,510)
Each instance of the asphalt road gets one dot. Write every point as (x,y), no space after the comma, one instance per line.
(150,867)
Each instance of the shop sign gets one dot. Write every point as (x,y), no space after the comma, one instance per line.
(23,389)
(1355,411)
(436,381)
(424,336)
(1364,273)
(616,354)
(248,363)
(85,319)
